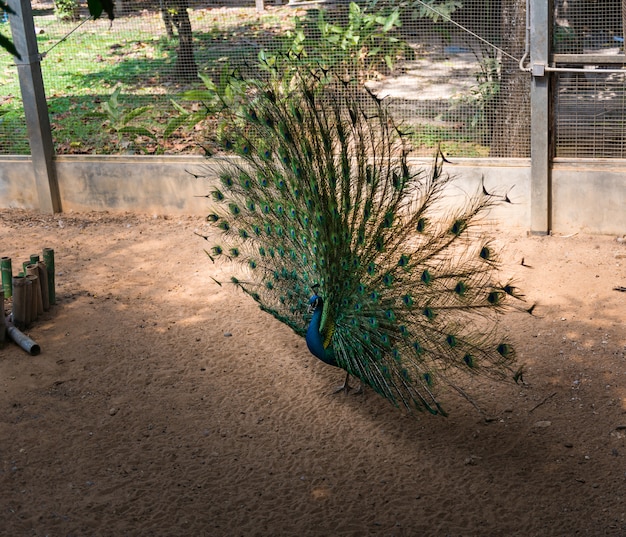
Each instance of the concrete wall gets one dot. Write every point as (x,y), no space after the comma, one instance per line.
(587,196)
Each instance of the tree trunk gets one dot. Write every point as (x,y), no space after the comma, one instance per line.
(186,67)
(511,134)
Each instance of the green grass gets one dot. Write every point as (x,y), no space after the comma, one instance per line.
(452,141)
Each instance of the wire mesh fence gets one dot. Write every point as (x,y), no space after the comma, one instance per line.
(449,69)
(590,91)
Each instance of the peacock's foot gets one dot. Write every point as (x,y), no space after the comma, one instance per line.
(346,388)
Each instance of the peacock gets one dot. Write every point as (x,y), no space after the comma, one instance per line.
(334,233)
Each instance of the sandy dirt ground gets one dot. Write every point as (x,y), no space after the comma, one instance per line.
(165,405)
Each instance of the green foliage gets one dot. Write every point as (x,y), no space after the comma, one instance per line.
(120,119)
(214,98)
(366,42)
(433,9)
(66,10)
(481,96)
(436,10)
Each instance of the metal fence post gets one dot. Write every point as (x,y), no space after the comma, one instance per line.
(540,117)
(35,106)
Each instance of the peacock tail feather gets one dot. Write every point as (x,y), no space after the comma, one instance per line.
(323,201)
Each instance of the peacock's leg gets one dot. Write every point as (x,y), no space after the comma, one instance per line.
(346,387)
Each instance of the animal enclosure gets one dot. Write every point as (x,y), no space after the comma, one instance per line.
(457,73)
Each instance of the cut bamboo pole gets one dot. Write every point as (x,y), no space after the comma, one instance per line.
(7,275)
(32,273)
(21,301)
(3,327)
(43,283)
(48,259)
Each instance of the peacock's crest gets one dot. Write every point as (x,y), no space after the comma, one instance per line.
(323,201)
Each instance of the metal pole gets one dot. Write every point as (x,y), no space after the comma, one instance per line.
(540,118)
(35,106)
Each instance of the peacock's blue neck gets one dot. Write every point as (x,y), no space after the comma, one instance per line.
(314,339)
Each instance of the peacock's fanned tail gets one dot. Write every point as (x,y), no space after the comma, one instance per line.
(323,195)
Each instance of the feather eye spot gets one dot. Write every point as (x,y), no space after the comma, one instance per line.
(421,225)
(509,289)
(407,300)
(451,340)
(388,279)
(253,115)
(485,253)
(494,297)
(505,350)
(388,220)
(429,313)
(426,277)
(469,360)
(403,261)
(458,227)
(460,288)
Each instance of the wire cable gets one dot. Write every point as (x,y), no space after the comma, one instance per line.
(45,53)
(448,19)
